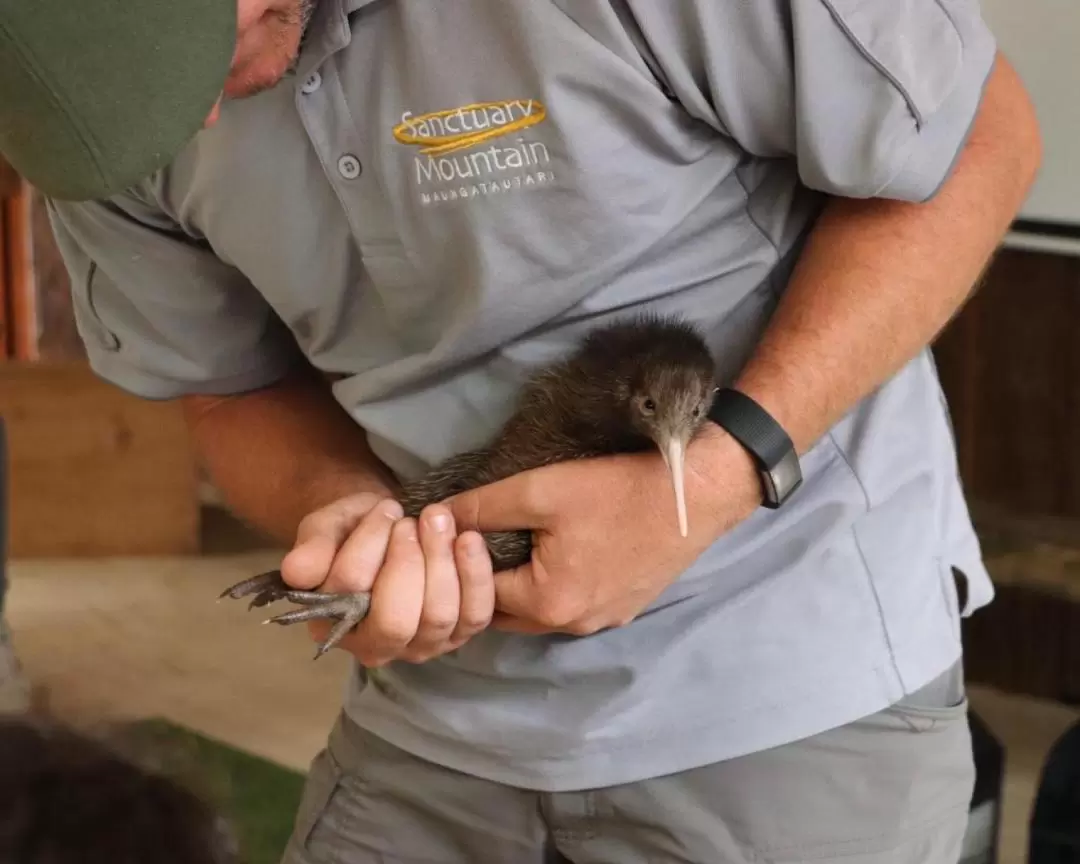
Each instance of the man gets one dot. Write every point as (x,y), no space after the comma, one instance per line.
(442,196)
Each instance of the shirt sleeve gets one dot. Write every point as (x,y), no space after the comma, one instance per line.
(871,98)
(160,314)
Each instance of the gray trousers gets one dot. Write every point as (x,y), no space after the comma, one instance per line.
(893,787)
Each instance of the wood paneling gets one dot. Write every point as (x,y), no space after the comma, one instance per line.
(94,471)
(1027,641)
(36,318)
(1010,366)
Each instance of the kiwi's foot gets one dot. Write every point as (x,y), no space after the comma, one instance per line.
(267,587)
(347,609)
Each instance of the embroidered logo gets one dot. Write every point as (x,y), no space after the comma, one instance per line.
(478,149)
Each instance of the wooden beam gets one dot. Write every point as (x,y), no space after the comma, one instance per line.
(18,285)
(5,285)
(9,180)
(22,294)
(94,471)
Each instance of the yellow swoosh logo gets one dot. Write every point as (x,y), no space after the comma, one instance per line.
(439,145)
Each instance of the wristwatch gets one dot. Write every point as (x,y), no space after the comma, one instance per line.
(766,441)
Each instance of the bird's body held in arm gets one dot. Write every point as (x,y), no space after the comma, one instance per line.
(631,386)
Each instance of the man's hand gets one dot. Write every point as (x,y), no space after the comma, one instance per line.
(431,588)
(606,540)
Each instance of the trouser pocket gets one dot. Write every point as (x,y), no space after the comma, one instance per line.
(940,703)
(892,787)
(322,784)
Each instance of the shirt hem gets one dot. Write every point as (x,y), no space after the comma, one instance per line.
(666,750)
(152,387)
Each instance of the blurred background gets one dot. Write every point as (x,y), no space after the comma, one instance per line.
(116,547)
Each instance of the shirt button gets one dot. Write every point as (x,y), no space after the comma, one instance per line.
(348,166)
(312,84)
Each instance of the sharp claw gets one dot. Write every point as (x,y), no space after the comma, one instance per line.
(344,606)
(260,585)
(265,598)
(299,616)
(349,609)
(337,633)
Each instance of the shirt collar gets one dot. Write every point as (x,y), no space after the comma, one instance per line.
(328,32)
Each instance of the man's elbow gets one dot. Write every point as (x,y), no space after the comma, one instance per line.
(1007,129)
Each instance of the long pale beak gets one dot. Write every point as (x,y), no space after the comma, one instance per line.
(674,454)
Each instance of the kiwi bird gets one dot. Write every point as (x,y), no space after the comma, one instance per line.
(637,384)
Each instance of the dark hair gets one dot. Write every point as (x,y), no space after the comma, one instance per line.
(66,797)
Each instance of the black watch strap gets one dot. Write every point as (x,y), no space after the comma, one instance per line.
(766,441)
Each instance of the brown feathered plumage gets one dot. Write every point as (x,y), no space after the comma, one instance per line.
(637,384)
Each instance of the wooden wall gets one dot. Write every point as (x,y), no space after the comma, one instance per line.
(1010,366)
(93,471)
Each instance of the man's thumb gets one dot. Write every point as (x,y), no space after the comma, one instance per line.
(505,505)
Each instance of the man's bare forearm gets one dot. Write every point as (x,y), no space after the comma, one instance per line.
(279,453)
(878,280)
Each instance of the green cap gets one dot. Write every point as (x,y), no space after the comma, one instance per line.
(96,95)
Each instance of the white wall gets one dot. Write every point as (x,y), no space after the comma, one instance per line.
(1042,40)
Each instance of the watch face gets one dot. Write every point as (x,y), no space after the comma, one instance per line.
(771,497)
(785,477)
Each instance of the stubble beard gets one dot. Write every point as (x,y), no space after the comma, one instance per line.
(288,38)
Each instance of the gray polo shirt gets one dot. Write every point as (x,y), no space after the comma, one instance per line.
(448,194)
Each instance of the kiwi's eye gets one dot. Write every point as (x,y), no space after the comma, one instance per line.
(649,406)
(697,412)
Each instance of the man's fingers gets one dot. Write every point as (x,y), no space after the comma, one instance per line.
(359,558)
(516,503)
(336,520)
(541,605)
(397,599)
(442,593)
(318,538)
(477,581)
(517,594)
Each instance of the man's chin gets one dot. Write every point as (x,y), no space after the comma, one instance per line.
(253,79)
(262,59)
